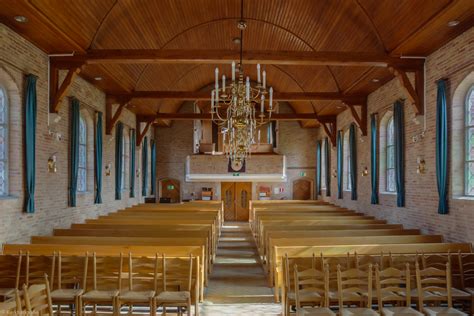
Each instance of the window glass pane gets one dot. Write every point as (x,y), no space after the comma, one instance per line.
(2,107)
(82,156)
(470,108)
(470,144)
(82,180)
(323,166)
(3,187)
(2,143)
(390,132)
(470,179)
(391,187)
(390,157)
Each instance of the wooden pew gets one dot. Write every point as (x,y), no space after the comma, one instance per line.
(114,250)
(362,249)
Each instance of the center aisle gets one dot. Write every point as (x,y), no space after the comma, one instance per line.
(237,284)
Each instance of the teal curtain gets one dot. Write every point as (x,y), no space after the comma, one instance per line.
(398,119)
(353,150)
(30,142)
(339,164)
(118,160)
(442,147)
(318,169)
(153,166)
(98,159)
(132,162)
(328,166)
(74,151)
(144,165)
(374,169)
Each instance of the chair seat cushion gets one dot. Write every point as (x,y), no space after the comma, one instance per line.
(306,297)
(96,295)
(352,311)
(169,296)
(442,311)
(320,311)
(400,311)
(65,294)
(136,296)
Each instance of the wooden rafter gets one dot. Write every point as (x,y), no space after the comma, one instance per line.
(414,94)
(275,117)
(205,95)
(112,119)
(330,128)
(141,134)
(56,92)
(360,120)
(180,56)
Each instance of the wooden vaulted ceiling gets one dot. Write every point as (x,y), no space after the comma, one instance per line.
(392,27)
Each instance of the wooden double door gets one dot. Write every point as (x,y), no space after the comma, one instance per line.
(236,197)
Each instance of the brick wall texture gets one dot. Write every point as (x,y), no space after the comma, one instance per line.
(19,57)
(454,62)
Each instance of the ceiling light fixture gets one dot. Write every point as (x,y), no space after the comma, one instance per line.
(236,40)
(21,19)
(97,78)
(375,80)
(453,23)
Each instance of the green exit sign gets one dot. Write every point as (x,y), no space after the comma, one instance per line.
(170,187)
(302,174)
(236,174)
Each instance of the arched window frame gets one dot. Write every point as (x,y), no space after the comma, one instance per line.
(347,162)
(390,183)
(469,143)
(386,123)
(323,165)
(82,165)
(4,152)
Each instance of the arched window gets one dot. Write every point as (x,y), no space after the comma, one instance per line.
(390,156)
(323,165)
(347,162)
(469,141)
(82,167)
(3,143)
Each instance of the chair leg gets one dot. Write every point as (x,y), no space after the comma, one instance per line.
(189,307)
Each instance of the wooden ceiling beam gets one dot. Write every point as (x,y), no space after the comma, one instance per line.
(148,120)
(275,117)
(111,120)
(415,94)
(277,96)
(183,56)
(58,92)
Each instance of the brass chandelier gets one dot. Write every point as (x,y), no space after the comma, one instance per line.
(234,107)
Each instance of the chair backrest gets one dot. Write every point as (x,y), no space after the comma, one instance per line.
(315,262)
(351,282)
(362,262)
(180,276)
(393,285)
(142,273)
(466,265)
(37,298)
(434,284)
(10,271)
(39,266)
(10,305)
(72,271)
(399,261)
(312,281)
(106,273)
(435,260)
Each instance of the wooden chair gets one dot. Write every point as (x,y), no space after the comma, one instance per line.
(181,281)
(355,287)
(434,286)
(362,262)
(142,283)
(37,298)
(106,282)
(312,288)
(72,273)
(439,261)
(394,286)
(9,306)
(39,266)
(466,265)
(10,267)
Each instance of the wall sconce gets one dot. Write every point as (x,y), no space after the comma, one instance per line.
(52,163)
(365,172)
(108,169)
(334,173)
(420,169)
(138,173)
